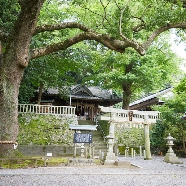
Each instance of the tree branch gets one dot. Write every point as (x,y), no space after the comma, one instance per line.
(44,28)
(106,40)
(120,21)
(158,31)
(140,26)
(105,12)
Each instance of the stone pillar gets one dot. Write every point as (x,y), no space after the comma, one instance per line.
(140,149)
(147,139)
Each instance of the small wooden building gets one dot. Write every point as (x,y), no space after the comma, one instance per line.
(145,103)
(85,99)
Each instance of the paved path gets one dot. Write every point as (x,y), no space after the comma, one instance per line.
(153,172)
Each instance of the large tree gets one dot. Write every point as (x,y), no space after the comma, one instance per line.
(115,24)
(136,75)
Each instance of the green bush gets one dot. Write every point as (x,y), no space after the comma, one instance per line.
(105,125)
(131,137)
(123,148)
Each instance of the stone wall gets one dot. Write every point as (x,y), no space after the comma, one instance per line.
(41,150)
(35,129)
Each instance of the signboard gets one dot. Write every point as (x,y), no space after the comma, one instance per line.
(82,138)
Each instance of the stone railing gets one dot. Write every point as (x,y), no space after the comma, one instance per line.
(46,109)
(129,116)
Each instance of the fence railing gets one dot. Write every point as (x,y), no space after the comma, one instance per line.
(100,128)
(46,109)
(118,115)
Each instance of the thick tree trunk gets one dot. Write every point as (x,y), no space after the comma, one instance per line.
(40,93)
(126,97)
(126,102)
(10,78)
(12,65)
(127,92)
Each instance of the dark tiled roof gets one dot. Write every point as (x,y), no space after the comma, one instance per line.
(102,93)
(156,95)
(92,92)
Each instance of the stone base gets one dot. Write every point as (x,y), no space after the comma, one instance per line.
(80,161)
(122,163)
(110,158)
(172,158)
(109,162)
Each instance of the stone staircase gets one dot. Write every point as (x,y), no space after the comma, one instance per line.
(97,139)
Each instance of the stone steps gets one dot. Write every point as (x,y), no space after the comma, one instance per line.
(86,122)
(97,139)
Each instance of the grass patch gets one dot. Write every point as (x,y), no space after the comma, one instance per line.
(27,162)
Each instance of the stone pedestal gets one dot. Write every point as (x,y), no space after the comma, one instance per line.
(171,158)
(110,158)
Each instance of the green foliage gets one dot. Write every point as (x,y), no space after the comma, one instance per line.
(127,72)
(26,90)
(59,70)
(90,62)
(26,162)
(157,134)
(173,118)
(13,154)
(9,10)
(43,130)
(133,137)
(105,125)
(123,148)
(181,87)
(139,18)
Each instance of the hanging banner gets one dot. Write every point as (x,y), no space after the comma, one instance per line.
(130,115)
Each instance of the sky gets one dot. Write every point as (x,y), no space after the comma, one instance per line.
(179,50)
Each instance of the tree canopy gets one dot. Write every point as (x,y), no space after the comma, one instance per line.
(133,74)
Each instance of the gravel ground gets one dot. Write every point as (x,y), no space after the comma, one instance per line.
(153,172)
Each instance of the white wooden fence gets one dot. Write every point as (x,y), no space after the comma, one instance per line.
(46,109)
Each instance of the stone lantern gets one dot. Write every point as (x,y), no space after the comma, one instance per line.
(110,156)
(170,143)
(170,156)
